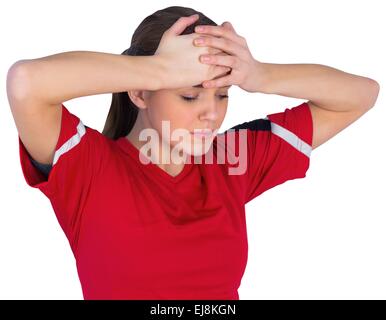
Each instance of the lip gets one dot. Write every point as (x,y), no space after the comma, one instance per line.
(202,133)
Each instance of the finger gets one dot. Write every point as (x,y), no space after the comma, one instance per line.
(217,83)
(225,45)
(220,60)
(180,25)
(219,71)
(228,25)
(219,31)
(224,70)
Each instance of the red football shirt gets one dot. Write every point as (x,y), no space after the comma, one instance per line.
(136,232)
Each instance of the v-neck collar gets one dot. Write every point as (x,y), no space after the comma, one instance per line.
(126,145)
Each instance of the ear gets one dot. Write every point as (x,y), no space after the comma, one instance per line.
(138,98)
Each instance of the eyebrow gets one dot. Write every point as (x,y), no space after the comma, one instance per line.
(200,86)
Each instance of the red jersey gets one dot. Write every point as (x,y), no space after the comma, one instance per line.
(137,232)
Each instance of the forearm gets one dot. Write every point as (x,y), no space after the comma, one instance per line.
(325,86)
(67,75)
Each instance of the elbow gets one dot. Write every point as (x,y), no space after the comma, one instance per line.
(371,93)
(17,80)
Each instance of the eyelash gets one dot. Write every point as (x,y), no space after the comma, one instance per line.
(191,99)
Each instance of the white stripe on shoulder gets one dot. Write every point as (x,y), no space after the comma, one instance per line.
(70,143)
(291,138)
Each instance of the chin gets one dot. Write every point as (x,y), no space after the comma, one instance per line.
(197,148)
(191,146)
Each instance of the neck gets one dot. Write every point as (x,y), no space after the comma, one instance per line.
(140,124)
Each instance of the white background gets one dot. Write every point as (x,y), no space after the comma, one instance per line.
(321,237)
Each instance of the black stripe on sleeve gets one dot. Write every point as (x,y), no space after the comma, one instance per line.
(258,124)
(44,168)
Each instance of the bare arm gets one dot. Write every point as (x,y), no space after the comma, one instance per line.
(36,89)
(336,98)
(67,75)
(326,86)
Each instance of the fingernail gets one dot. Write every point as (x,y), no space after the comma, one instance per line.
(198,29)
(199,41)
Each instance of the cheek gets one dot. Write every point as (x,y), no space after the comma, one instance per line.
(171,118)
(223,111)
(168,110)
(221,116)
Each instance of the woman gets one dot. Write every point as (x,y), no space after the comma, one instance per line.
(167,225)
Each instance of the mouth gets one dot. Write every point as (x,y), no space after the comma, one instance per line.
(202,133)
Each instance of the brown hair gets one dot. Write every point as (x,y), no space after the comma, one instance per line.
(145,40)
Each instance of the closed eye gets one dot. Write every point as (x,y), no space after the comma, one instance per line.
(190,99)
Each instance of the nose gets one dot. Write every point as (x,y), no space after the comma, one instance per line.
(210,111)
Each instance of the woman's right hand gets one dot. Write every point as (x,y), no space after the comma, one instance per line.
(180,57)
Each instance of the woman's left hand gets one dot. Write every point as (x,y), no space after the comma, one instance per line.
(245,71)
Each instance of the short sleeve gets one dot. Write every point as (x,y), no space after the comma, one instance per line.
(278,149)
(44,168)
(76,159)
